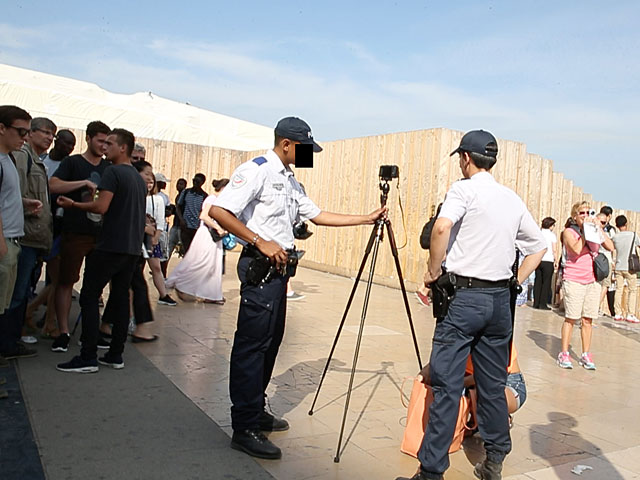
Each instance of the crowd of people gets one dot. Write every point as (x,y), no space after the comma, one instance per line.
(105,208)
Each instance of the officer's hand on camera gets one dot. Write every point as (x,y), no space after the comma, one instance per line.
(276,254)
(376,214)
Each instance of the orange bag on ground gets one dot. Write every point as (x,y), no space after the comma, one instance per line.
(418,416)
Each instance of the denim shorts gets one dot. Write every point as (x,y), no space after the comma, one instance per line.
(515,382)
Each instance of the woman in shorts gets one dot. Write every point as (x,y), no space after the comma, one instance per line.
(580,288)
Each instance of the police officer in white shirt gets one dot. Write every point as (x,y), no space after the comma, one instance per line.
(260,206)
(479,226)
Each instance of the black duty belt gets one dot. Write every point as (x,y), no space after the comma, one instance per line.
(471,282)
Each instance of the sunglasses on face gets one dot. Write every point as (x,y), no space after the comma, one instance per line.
(21,131)
(583,213)
(137,159)
(603,223)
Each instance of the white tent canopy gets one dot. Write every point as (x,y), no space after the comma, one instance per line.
(73,103)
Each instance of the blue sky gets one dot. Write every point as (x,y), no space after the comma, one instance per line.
(562,77)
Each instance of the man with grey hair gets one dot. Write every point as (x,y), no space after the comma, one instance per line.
(38,229)
(139,153)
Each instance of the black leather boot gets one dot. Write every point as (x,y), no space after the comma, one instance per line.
(255,444)
(420,475)
(488,470)
(269,423)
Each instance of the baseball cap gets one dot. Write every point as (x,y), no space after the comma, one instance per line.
(161,178)
(298,130)
(478,141)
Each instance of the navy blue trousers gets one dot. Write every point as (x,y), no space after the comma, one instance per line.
(258,335)
(478,322)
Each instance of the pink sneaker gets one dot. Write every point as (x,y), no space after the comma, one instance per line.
(586,360)
(632,319)
(423,299)
(564,360)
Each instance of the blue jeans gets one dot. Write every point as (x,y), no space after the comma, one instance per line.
(478,322)
(12,319)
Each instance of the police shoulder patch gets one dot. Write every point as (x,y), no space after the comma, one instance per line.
(259,160)
(238,180)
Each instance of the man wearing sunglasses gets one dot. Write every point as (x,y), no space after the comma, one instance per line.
(14,128)
(38,229)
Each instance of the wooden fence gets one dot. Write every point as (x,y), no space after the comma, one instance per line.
(345,179)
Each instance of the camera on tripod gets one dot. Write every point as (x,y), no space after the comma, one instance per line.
(388,172)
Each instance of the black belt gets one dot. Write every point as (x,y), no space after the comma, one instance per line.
(470,282)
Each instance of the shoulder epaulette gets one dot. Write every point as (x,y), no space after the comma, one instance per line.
(260,161)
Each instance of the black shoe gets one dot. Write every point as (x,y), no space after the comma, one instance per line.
(113,361)
(488,470)
(269,423)
(167,300)
(61,344)
(79,365)
(420,475)
(20,352)
(254,443)
(3,362)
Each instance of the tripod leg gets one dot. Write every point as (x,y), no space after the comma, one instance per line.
(394,252)
(372,237)
(359,340)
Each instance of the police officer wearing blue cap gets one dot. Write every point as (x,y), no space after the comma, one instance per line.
(478,228)
(260,206)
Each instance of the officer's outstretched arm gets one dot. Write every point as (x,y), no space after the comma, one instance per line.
(331,219)
(230,223)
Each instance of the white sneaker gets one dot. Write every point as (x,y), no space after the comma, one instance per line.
(294,296)
(618,318)
(30,339)
(632,319)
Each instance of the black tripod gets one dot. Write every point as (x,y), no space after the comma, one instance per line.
(374,242)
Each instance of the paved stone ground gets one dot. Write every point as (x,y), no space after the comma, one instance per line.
(571,417)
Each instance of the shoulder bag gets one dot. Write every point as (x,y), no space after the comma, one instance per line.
(600,261)
(418,417)
(634,260)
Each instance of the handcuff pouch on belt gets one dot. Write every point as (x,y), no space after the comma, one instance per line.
(443,290)
(261,270)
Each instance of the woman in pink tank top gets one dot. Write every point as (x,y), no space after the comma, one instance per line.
(579,285)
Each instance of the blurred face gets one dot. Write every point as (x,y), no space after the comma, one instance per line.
(97,145)
(41,138)
(15,134)
(147,176)
(197,182)
(181,185)
(138,155)
(65,144)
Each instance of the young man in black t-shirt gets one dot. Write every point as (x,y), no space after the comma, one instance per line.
(121,199)
(77,178)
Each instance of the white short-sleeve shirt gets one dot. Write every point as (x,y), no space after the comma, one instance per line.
(489,221)
(265,196)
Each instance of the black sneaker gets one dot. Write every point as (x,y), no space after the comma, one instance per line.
(113,361)
(79,365)
(269,423)
(61,344)
(20,352)
(167,300)
(102,343)
(255,444)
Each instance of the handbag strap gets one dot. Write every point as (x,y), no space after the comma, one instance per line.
(402,395)
(633,246)
(473,409)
